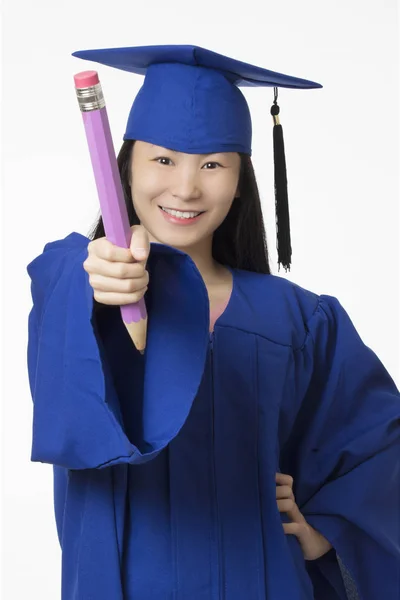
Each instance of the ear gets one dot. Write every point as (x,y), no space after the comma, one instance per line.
(237,194)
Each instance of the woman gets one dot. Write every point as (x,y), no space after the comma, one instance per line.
(256,411)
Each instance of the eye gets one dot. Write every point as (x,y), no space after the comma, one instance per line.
(160,158)
(212,163)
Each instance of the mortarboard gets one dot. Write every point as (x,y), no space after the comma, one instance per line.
(190,102)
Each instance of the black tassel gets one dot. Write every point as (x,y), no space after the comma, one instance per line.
(281,194)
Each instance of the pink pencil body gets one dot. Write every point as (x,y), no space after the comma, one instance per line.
(109,187)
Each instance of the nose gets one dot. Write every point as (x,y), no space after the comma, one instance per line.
(185,185)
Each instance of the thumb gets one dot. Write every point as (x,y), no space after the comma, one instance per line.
(140,244)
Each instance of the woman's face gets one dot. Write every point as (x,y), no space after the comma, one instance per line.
(181,199)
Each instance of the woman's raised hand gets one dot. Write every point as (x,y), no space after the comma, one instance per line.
(118,276)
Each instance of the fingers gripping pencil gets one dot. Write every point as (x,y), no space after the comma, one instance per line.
(109,187)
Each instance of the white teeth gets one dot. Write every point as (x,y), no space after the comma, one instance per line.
(180,214)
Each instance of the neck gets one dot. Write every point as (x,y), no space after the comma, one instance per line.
(201,255)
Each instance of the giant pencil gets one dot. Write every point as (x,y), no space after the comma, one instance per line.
(109,187)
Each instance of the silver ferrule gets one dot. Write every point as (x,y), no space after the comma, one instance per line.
(90,98)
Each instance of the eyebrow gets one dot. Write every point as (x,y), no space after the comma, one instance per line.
(177,152)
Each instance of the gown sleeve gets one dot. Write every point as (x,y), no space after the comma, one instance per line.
(77,417)
(344,455)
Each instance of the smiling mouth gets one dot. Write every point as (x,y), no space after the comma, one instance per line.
(182,214)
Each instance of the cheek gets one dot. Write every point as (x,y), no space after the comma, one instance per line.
(145,190)
(223,198)
(223,204)
(222,189)
(146,185)
(218,214)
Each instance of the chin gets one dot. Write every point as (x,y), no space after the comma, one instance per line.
(181,242)
(177,243)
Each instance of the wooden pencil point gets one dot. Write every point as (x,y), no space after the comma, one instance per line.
(138,332)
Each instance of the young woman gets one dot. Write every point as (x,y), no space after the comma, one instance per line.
(257,439)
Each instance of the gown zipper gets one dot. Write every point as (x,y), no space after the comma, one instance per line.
(216,508)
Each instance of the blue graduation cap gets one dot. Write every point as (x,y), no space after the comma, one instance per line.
(190,102)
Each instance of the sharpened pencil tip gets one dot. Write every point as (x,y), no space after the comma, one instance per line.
(137,331)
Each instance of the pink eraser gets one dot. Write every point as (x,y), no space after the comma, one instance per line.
(86,79)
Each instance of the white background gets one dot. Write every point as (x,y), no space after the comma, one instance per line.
(342,148)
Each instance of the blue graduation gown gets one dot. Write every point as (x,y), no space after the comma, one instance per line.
(164,465)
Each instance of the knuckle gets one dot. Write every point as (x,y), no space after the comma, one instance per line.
(88,264)
(136,284)
(139,271)
(96,246)
(102,248)
(286,504)
(121,270)
(108,253)
(285,492)
(136,296)
(93,280)
(130,286)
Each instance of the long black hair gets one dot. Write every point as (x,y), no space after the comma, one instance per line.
(239,242)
